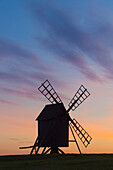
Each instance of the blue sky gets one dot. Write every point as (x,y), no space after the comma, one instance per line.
(60,29)
(67,42)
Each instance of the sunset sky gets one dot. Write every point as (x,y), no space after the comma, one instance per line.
(68,42)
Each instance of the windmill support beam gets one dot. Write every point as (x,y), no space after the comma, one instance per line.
(34,146)
(26,147)
(47,151)
(36,150)
(71,140)
(53,150)
(61,151)
(43,150)
(75,139)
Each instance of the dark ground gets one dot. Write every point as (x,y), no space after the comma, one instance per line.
(57,162)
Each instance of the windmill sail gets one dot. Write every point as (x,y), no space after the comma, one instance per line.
(80,131)
(78,98)
(48,91)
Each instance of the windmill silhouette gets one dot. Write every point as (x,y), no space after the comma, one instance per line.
(54,122)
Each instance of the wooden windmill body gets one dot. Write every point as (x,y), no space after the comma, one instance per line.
(54,122)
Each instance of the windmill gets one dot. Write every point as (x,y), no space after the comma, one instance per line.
(54,122)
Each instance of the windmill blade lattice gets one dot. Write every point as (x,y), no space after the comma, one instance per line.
(82,134)
(48,91)
(78,98)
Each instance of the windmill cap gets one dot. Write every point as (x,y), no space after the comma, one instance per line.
(52,111)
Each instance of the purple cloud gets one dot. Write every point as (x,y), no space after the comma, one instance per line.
(72,55)
(74,42)
(7,102)
(29,79)
(22,67)
(10,49)
(15,78)
(23,92)
(32,93)
(13,53)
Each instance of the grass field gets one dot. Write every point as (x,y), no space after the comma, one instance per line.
(57,162)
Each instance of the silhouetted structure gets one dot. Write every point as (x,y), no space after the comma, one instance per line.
(54,122)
